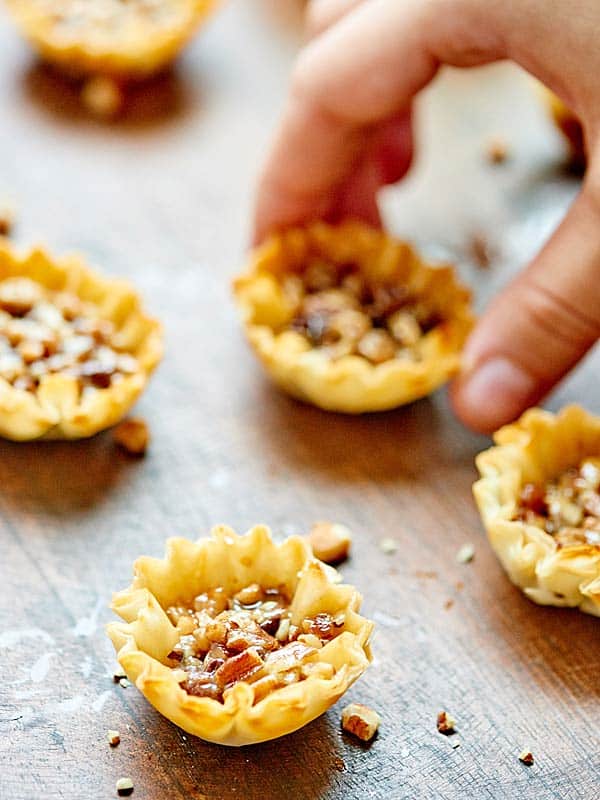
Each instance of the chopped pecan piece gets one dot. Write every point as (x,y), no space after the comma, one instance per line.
(330,542)
(133,436)
(445,723)
(238,668)
(361,721)
(526,757)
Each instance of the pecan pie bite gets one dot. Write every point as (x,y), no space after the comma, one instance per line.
(130,39)
(75,349)
(239,640)
(539,496)
(350,320)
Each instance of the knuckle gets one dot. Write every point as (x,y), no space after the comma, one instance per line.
(315,17)
(559,318)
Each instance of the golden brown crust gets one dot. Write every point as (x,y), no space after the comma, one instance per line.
(350,384)
(57,409)
(569,125)
(139,49)
(146,637)
(537,449)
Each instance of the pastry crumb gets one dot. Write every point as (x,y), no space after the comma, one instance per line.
(448,604)
(124,787)
(132,436)
(465,554)
(497,150)
(361,721)
(526,757)
(102,96)
(113,737)
(330,541)
(388,546)
(445,723)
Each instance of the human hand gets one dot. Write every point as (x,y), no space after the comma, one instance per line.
(346,132)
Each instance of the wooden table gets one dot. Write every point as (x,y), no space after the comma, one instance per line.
(164,197)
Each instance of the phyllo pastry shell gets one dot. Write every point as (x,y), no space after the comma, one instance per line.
(110,37)
(538,497)
(76,349)
(569,125)
(222,676)
(351,320)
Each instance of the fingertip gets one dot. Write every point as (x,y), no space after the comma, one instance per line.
(496,392)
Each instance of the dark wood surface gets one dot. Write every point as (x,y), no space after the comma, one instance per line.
(164,197)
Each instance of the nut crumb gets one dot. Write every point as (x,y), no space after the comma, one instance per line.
(133,436)
(526,757)
(124,682)
(118,675)
(102,96)
(465,554)
(7,218)
(497,151)
(480,251)
(124,787)
(445,723)
(388,546)
(113,737)
(361,721)
(330,541)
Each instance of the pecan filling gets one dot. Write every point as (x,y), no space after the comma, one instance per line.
(248,637)
(340,312)
(44,332)
(567,508)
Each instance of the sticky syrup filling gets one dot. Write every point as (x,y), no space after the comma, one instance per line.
(249,637)
(340,312)
(567,508)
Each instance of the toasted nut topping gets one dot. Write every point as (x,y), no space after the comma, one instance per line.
(445,723)
(465,554)
(388,546)
(360,721)
(526,756)
(124,787)
(133,436)
(113,738)
(330,542)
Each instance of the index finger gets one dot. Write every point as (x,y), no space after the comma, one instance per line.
(358,74)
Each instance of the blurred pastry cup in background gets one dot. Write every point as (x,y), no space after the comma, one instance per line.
(125,41)
(76,349)
(351,320)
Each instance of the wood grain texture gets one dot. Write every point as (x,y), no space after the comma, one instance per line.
(164,196)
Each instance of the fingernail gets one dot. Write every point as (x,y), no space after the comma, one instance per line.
(496,392)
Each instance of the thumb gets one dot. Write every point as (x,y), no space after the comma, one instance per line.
(538,328)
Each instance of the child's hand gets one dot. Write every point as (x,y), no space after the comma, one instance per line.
(346,132)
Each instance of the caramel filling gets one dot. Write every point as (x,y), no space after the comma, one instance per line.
(567,508)
(247,637)
(340,312)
